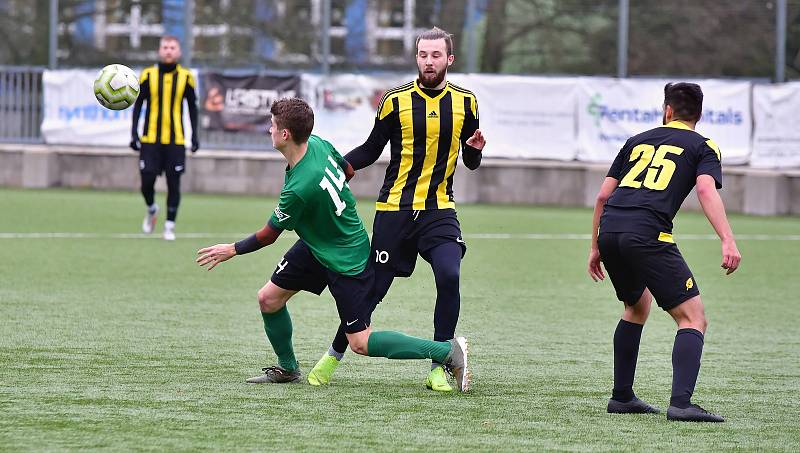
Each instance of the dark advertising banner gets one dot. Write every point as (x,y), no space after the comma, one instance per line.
(241,103)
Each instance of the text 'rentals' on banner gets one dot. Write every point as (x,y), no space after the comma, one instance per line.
(525,117)
(241,103)
(612,110)
(72,115)
(776,139)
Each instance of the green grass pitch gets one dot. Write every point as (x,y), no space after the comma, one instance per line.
(123,343)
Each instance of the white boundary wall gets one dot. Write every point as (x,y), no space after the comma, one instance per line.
(510,181)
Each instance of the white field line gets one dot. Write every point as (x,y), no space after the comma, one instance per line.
(491,236)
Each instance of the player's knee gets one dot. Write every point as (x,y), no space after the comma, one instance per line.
(268,302)
(702,322)
(448,275)
(148,177)
(358,345)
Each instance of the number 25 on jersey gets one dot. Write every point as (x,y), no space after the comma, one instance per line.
(659,168)
(327,182)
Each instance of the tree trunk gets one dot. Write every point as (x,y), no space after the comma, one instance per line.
(493,45)
(453,16)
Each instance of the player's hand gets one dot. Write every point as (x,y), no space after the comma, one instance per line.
(195,146)
(477,141)
(211,256)
(730,256)
(135,144)
(595,268)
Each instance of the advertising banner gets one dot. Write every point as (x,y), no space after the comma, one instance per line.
(776,139)
(242,103)
(345,105)
(612,110)
(525,117)
(72,115)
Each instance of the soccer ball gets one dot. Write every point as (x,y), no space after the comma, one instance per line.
(116,87)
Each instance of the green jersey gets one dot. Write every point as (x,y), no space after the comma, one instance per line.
(317,204)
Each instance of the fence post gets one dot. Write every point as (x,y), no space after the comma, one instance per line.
(780,41)
(326,37)
(622,38)
(52,54)
(471,37)
(188,32)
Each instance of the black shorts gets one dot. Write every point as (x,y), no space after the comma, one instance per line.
(398,236)
(299,270)
(636,261)
(157,158)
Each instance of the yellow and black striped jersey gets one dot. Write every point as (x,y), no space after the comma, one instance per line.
(425,129)
(164,87)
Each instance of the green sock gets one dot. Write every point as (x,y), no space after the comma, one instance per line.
(278,327)
(396,345)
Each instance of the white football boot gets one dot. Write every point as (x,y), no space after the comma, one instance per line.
(149,222)
(169,230)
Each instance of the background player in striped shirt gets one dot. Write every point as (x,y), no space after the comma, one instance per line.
(162,146)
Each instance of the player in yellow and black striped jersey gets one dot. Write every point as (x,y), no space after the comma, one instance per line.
(162,146)
(632,235)
(426,129)
(427,123)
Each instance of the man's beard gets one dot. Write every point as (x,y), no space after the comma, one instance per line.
(664,119)
(427,82)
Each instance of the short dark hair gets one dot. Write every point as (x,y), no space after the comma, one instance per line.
(686,100)
(437,33)
(295,115)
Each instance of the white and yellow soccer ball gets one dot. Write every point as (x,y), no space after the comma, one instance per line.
(116,87)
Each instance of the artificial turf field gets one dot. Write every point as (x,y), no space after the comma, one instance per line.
(112,341)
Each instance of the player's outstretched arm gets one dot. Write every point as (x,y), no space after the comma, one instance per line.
(368,152)
(606,189)
(714,210)
(216,254)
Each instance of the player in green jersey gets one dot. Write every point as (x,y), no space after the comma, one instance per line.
(332,252)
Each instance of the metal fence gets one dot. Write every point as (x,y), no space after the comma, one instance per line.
(22,112)
(21,108)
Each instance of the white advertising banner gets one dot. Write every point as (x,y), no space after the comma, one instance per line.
(345,105)
(521,117)
(612,110)
(776,139)
(525,117)
(73,116)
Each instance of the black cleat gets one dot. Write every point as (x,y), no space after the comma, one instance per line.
(276,375)
(634,406)
(693,413)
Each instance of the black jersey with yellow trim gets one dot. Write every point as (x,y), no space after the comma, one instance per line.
(426,133)
(164,91)
(656,170)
